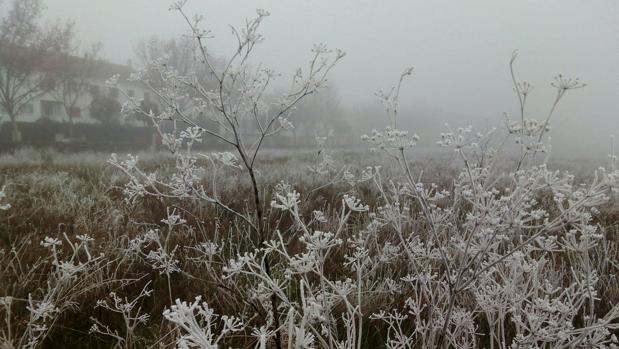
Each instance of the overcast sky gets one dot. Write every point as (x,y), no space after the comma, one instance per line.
(460,49)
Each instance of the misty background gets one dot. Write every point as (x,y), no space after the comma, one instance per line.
(460,51)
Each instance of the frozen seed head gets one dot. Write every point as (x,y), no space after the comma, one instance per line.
(564,83)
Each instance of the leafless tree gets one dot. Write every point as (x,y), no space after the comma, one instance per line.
(71,80)
(28,51)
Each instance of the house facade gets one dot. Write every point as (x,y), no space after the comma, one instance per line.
(49,106)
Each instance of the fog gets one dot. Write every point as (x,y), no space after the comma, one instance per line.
(460,51)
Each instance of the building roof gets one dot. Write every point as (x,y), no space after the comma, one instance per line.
(47,61)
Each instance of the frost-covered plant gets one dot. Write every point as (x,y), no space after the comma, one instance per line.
(486,241)
(529,133)
(238,112)
(197,322)
(493,259)
(3,205)
(323,163)
(232,113)
(70,274)
(154,248)
(132,317)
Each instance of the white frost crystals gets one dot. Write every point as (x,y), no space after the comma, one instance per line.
(3,206)
(287,201)
(198,324)
(355,204)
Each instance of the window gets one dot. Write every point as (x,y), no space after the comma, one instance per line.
(51,109)
(76,112)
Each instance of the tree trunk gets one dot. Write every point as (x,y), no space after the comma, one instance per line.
(15,133)
(70,128)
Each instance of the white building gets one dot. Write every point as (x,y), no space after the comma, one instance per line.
(49,106)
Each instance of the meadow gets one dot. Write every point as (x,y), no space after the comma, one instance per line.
(107,268)
(490,242)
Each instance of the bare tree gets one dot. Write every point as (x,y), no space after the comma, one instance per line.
(28,51)
(71,80)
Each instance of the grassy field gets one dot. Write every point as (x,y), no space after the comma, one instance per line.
(72,241)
